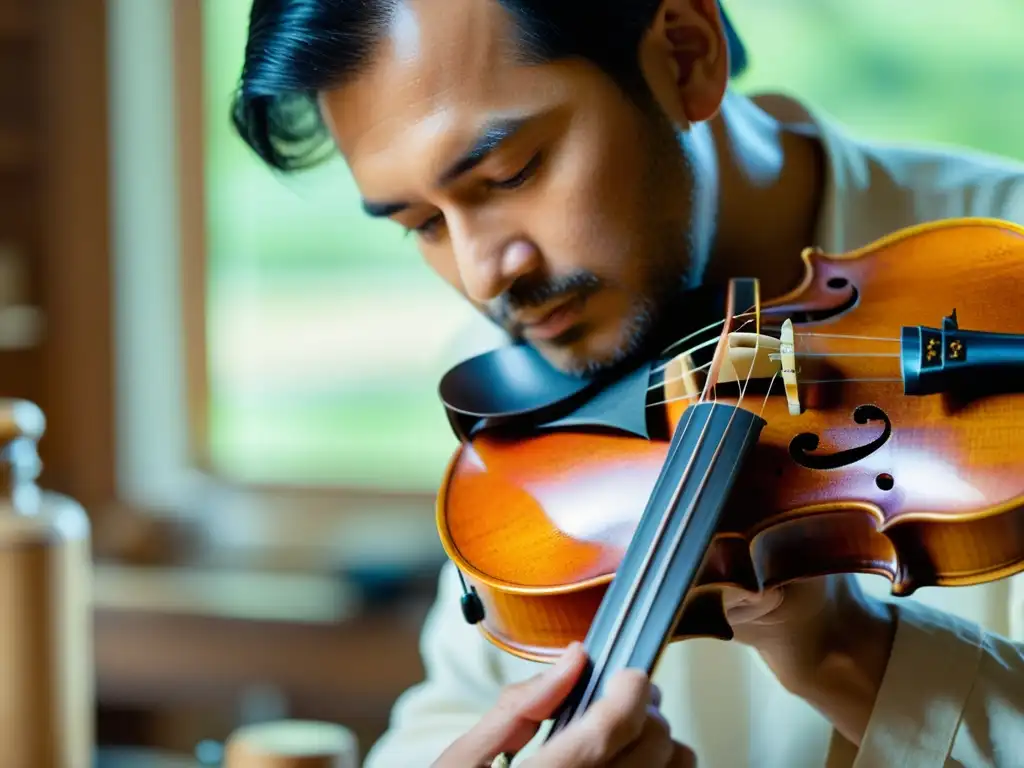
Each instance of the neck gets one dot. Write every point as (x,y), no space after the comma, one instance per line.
(765,195)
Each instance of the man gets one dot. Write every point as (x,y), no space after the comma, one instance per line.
(570,167)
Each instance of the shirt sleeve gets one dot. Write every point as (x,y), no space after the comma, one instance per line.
(952,695)
(462,681)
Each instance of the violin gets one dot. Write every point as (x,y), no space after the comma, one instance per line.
(868,421)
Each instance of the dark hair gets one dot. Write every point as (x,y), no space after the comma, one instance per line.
(299,47)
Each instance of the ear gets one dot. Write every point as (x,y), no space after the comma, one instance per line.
(685,56)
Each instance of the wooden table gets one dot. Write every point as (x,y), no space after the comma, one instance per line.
(142,758)
(186,640)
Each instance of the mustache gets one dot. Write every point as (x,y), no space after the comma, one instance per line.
(526,294)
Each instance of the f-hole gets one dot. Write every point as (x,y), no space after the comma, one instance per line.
(801,446)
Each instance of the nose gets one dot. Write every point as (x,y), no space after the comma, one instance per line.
(488,265)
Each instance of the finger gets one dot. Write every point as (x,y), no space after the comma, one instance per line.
(538,698)
(750,614)
(656,714)
(654,748)
(613,723)
(520,710)
(682,757)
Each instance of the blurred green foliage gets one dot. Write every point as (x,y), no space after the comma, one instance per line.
(941,71)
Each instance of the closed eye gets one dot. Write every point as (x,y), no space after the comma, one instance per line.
(521,177)
(428,227)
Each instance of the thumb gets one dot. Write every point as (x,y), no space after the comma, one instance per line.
(520,710)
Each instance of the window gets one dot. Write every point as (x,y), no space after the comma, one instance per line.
(919,70)
(327,334)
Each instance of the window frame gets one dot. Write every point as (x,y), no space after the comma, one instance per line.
(69,159)
(269,525)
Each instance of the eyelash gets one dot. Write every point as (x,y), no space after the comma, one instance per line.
(513,182)
(521,177)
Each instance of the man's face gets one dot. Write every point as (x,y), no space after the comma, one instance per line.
(541,193)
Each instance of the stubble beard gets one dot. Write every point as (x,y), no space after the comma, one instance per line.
(668,181)
(638,328)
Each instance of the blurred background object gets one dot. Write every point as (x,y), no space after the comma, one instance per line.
(46,664)
(291,744)
(239,371)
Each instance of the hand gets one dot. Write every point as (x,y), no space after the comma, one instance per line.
(791,626)
(620,730)
(825,641)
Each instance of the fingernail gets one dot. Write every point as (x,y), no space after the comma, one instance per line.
(655,695)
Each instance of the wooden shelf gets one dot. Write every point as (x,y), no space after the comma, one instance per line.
(15,150)
(16,21)
(226,594)
(170,640)
(120,757)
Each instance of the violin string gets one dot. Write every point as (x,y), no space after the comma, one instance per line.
(806,334)
(614,634)
(677,539)
(892,379)
(768,393)
(616,631)
(623,612)
(856,337)
(895,380)
(699,331)
(847,336)
(689,336)
(776,356)
(678,378)
(695,348)
(850,380)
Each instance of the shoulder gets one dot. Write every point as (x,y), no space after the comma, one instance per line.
(926,181)
(874,187)
(963,182)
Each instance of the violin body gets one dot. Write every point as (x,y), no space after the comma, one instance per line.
(861,466)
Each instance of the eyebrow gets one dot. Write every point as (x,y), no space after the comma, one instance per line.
(494,134)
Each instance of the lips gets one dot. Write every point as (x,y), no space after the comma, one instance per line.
(537,318)
(554,321)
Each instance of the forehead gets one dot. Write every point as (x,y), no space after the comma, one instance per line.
(441,71)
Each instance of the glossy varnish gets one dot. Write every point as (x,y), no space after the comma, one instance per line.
(539,525)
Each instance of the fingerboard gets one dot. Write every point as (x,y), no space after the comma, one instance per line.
(642,605)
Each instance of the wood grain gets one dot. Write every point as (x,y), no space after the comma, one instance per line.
(539,525)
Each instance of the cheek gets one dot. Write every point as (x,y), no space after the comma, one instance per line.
(591,215)
(442,261)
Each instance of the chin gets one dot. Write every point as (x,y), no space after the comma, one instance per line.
(596,352)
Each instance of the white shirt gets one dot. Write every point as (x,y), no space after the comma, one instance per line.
(953,693)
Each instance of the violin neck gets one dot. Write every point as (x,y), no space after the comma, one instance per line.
(642,605)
